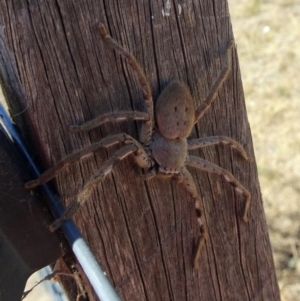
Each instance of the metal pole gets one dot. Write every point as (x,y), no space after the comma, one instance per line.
(84,255)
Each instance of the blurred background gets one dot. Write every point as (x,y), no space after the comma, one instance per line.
(267,34)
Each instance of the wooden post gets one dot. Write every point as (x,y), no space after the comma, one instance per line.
(143,233)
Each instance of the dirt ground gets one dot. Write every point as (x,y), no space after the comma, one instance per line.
(267,34)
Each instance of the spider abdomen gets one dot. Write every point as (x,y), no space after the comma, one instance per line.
(175,111)
(170,154)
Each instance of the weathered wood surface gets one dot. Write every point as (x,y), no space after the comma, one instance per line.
(143,233)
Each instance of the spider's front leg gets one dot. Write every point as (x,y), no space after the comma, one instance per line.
(212,168)
(88,188)
(186,178)
(131,146)
(148,175)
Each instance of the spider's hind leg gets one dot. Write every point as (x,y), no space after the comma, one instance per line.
(205,105)
(147,128)
(214,140)
(56,169)
(49,174)
(110,117)
(187,179)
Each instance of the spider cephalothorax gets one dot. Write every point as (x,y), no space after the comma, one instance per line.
(162,148)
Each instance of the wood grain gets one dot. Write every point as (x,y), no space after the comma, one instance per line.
(143,233)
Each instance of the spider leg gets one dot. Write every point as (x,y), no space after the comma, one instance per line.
(212,168)
(141,157)
(146,132)
(110,117)
(150,174)
(88,188)
(187,179)
(204,106)
(207,141)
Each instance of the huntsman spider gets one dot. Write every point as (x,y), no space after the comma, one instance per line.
(162,148)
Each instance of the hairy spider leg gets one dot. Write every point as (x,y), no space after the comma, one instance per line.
(205,105)
(109,117)
(213,140)
(141,157)
(189,183)
(212,168)
(187,180)
(147,128)
(88,188)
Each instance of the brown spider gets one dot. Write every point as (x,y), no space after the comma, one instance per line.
(162,148)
